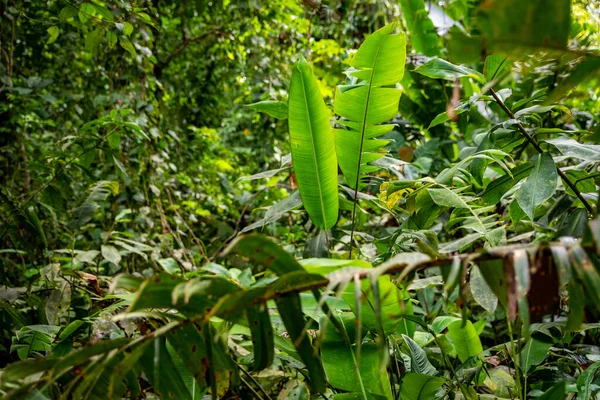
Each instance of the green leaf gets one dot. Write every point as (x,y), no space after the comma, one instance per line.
(127,45)
(93,39)
(422,31)
(420,387)
(557,392)
(265,253)
(465,339)
(539,186)
(189,345)
(262,336)
(291,314)
(514,27)
(446,198)
(494,65)
(276,109)
(58,303)
(66,13)
(585,70)
(522,285)
(127,28)
(110,253)
(497,188)
(313,147)
(162,373)
(419,361)
(340,362)
(53,31)
(534,352)
(482,293)
(111,37)
(442,69)
(366,105)
(585,386)
(572,148)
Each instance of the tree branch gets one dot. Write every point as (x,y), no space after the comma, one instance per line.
(536,145)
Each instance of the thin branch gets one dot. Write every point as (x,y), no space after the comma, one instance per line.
(536,145)
(185,43)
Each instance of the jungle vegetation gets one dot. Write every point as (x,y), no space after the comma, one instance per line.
(344,199)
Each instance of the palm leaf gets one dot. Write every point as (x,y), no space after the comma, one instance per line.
(313,151)
(366,103)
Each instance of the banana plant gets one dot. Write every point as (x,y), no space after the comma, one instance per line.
(368,100)
(313,150)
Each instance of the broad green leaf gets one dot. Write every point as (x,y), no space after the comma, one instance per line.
(58,303)
(501,382)
(494,65)
(276,109)
(497,188)
(535,351)
(366,105)
(482,293)
(465,339)
(189,345)
(419,361)
(572,148)
(291,314)
(514,27)
(447,198)
(127,45)
(265,253)
(110,253)
(162,373)
(438,68)
(93,39)
(586,69)
(313,147)
(340,363)
(556,392)
(539,186)
(420,387)
(262,336)
(422,31)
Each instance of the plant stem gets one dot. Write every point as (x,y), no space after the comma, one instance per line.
(536,145)
(513,350)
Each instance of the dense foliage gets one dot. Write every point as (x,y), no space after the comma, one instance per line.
(350,199)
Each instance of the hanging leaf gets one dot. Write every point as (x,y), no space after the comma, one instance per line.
(290,311)
(482,293)
(262,336)
(313,148)
(539,186)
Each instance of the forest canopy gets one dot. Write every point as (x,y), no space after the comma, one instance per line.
(300,199)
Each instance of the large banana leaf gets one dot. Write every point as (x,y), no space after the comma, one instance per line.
(313,148)
(366,103)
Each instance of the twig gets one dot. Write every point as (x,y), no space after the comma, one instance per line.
(252,379)
(536,145)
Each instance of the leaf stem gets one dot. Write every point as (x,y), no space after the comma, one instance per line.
(536,145)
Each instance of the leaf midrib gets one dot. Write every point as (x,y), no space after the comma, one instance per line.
(314,151)
(364,121)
